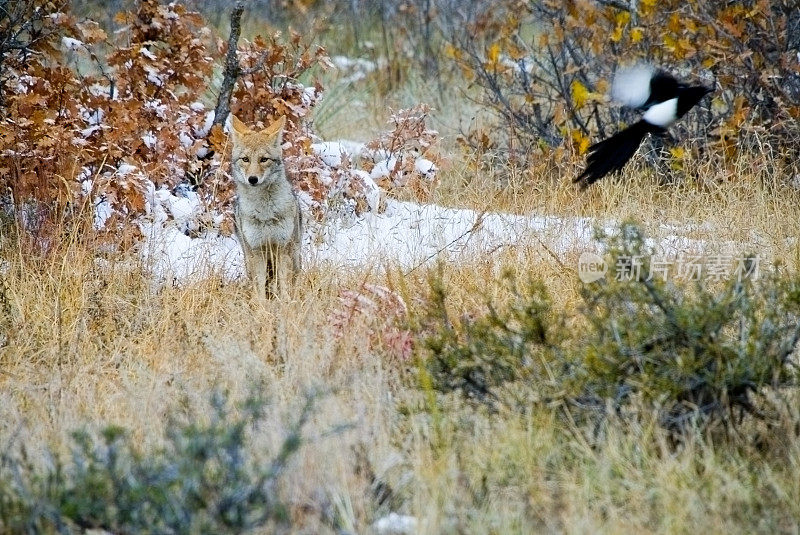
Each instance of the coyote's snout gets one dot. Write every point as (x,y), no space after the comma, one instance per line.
(268,220)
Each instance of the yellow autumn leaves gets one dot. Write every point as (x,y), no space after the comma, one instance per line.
(580,141)
(493,54)
(580,96)
(579,93)
(622,18)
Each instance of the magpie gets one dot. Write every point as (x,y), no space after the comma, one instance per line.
(663,99)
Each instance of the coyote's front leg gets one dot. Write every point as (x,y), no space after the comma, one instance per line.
(259,270)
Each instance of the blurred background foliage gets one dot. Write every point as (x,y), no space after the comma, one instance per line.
(521,81)
(542,68)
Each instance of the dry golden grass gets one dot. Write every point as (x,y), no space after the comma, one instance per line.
(90,341)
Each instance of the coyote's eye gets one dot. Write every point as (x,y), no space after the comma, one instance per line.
(245,159)
(264,159)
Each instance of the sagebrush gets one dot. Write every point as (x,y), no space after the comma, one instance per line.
(687,353)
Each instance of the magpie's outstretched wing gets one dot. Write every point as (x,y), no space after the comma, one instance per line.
(611,155)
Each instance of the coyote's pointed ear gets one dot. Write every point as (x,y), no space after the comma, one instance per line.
(239,128)
(275,130)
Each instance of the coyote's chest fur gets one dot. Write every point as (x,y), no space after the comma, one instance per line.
(266,217)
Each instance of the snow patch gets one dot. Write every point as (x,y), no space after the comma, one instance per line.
(331,152)
(170,254)
(406,234)
(87,132)
(357,67)
(146,53)
(172,257)
(154,76)
(185,139)
(71,44)
(102,211)
(371,190)
(158,107)
(126,169)
(395,524)
(208,122)
(410,235)
(383,168)
(149,139)
(425,167)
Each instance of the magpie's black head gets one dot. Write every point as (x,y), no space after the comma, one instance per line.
(663,86)
(688,97)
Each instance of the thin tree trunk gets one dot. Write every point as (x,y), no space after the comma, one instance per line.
(232,67)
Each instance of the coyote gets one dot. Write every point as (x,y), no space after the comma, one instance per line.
(268,219)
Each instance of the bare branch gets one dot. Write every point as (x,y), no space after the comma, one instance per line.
(619,4)
(232,68)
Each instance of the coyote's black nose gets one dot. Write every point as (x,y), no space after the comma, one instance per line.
(253,180)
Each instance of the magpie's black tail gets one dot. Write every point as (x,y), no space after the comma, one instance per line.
(611,155)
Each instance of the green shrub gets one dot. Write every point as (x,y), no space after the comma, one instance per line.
(503,347)
(689,354)
(688,351)
(204,480)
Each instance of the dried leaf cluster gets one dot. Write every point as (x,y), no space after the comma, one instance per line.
(90,117)
(384,312)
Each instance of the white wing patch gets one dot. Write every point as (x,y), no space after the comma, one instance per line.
(631,86)
(662,114)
